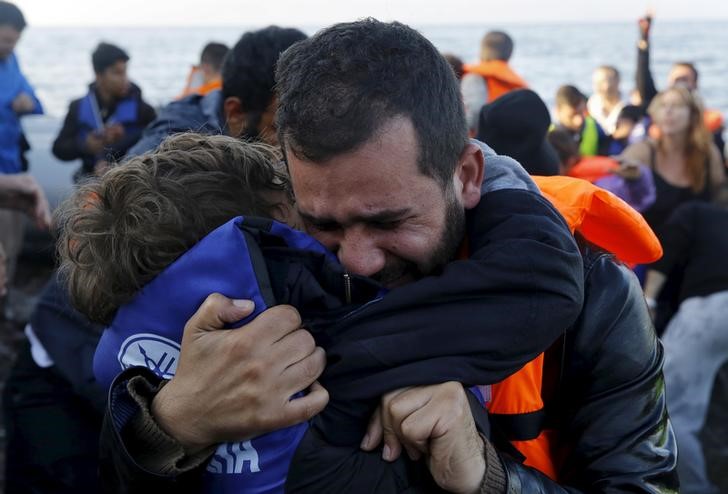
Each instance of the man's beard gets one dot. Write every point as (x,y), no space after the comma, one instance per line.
(400,271)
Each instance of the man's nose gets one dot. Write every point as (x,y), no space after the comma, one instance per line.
(360,254)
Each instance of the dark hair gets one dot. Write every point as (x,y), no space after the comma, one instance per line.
(690,66)
(10,15)
(213,54)
(121,230)
(563,142)
(337,89)
(496,45)
(632,113)
(569,96)
(456,63)
(248,72)
(105,55)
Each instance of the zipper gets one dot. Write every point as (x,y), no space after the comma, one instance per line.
(347,287)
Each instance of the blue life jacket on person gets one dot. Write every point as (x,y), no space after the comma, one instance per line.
(12,83)
(246,258)
(89,117)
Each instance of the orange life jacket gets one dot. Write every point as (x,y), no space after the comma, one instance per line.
(605,220)
(191,87)
(499,77)
(592,168)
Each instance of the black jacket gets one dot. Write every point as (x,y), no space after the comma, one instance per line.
(69,145)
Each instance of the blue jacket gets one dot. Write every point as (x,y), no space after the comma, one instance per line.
(87,114)
(195,113)
(147,332)
(12,83)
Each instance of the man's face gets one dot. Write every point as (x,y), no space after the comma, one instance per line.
(114,80)
(571,117)
(9,37)
(604,82)
(682,75)
(377,211)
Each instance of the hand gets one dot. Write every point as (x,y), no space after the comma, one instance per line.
(23,103)
(645,23)
(434,421)
(231,385)
(629,171)
(94,143)
(21,191)
(113,133)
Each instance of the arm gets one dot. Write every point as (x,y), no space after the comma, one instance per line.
(228,385)
(146,115)
(25,102)
(475,95)
(716,170)
(68,145)
(613,416)
(638,153)
(21,191)
(178,116)
(645,83)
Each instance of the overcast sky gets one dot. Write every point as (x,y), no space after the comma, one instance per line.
(322,12)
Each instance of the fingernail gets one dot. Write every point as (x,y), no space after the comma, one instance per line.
(386,452)
(243,304)
(365,442)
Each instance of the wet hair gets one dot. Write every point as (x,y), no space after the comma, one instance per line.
(564,144)
(248,72)
(11,15)
(121,230)
(609,68)
(213,54)
(456,63)
(690,66)
(699,141)
(496,45)
(631,112)
(568,95)
(337,89)
(105,55)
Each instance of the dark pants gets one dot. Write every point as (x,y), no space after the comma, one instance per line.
(52,433)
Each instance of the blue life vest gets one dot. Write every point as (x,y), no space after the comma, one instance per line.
(89,118)
(148,332)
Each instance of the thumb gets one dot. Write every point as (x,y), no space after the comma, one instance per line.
(216,312)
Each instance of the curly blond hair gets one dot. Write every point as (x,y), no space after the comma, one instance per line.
(119,231)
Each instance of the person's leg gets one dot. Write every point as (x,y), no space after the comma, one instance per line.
(52,434)
(696,345)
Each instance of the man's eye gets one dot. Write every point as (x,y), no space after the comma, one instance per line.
(387,225)
(324,227)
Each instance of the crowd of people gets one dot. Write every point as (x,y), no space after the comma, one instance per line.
(432,285)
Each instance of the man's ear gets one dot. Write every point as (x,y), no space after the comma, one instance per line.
(469,175)
(235,117)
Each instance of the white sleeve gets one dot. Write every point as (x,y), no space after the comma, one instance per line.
(475,95)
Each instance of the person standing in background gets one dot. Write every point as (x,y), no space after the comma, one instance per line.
(207,75)
(490,78)
(101,126)
(606,102)
(17,98)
